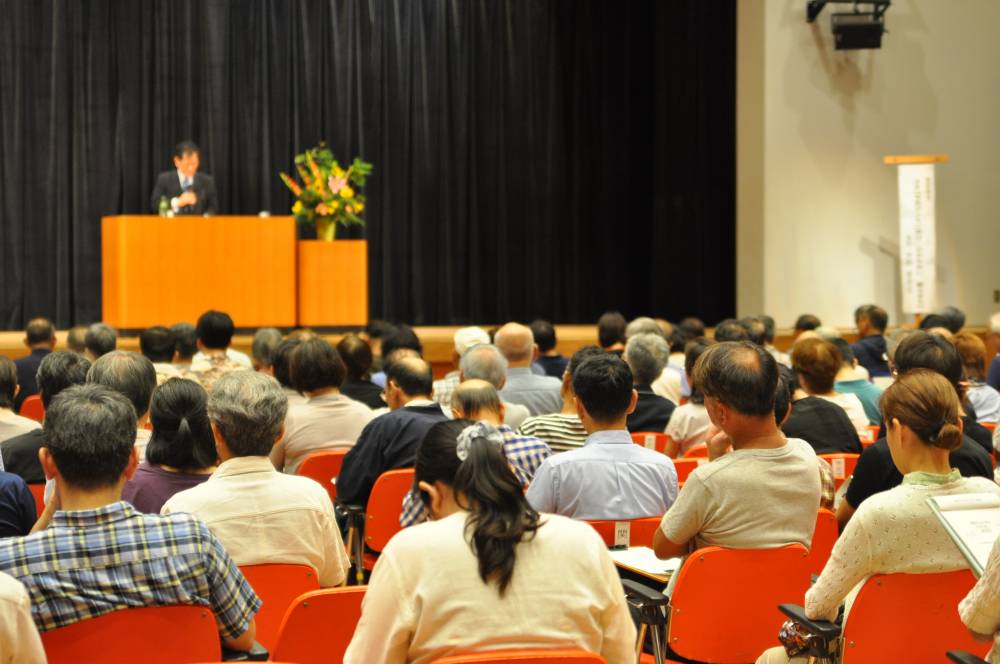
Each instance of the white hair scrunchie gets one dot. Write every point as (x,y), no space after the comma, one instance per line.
(473,432)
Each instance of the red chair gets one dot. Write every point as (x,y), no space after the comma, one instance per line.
(992,426)
(525,656)
(697,451)
(381,518)
(651,440)
(684,467)
(32,408)
(157,635)
(278,586)
(843,466)
(640,531)
(901,618)
(38,493)
(824,537)
(324,467)
(873,431)
(318,626)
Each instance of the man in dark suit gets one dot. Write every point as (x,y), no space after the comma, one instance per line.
(40,338)
(187,190)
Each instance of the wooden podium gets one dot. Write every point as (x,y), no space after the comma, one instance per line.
(160,271)
(333,283)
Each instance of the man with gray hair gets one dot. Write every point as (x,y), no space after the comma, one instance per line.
(265,343)
(539,393)
(133,376)
(100,340)
(464,339)
(646,355)
(671,383)
(261,515)
(486,362)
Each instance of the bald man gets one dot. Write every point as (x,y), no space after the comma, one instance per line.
(539,393)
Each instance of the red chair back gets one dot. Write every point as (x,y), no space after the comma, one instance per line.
(843,466)
(697,451)
(324,467)
(525,656)
(38,493)
(710,622)
(872,436)
(640,531)
(909,618)
(684,467)
(32,408)
(992,426)
(385,506)
(318,626)
(278,586)
(824,537)
(651,440)
(156,635)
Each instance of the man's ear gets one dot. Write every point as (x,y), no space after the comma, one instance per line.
(502,412)
(48,463)
(633,400)
(133,463)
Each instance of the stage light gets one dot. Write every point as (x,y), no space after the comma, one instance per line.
(853,30)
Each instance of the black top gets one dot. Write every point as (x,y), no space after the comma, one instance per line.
(364,391)
(870,353)
(824,425)
(388,442)
(169,185)
(554,365)
(652,412)
(20,456)
(27,367)
(17,506)
(875,471)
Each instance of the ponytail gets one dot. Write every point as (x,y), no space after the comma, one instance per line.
(926,402)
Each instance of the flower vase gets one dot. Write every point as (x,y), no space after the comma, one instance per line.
(326,229)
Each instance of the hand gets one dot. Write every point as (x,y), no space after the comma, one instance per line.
(187,198)
(718,445)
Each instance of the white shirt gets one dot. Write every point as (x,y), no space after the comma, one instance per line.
(233,355)
(323,422)
(853,407)
(19,641)
(668,385)
(688,425)
(263,516)
(425,598)
(12,424)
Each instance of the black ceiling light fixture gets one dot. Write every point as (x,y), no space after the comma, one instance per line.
(853,30)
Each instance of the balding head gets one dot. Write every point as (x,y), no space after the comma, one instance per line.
(517,344)
(741,375)
(477,400)
(407,379)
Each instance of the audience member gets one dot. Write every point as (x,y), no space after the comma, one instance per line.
(822,424)
(692,328)
(562,431)
(805,323)
(646,355)
(98,553)
(157,344)
(57,371)
(17,507)
(357,357)
(953,318)
(462,580)
(19,640)
(186,344)
(399,342)
(770,330)
(756,329)
(730,329)
(479,401)
(11,424)
(40,338)
(896,532)
(611,332)
(689,424)
(464,339)
(260,515)
(265,341)
(984,399)
(539,393)
(670,384)
(100,340)
(486,362)
(551,360)
(76,339)
(327,419)
(870,348)
(133,376)
(817,363)
(374,333)
(213,359)
(181,450)
(875,471)
(281,363)
(610,477)
(850,380)
(390,441)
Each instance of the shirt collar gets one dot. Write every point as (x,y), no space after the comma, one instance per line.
(420,403)
(96,517)
(611,437)
(243,466)
(931,479)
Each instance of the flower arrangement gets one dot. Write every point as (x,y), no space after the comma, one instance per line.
(326,196)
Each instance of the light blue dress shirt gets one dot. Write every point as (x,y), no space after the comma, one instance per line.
(541,394)
(610,477)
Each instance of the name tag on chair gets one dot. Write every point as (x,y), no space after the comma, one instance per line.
(650,441)
(839,472)
(623,534)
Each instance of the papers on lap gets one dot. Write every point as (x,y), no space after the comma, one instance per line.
(973,522)
(641,559)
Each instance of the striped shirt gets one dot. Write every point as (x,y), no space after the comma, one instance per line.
(91,562)
(561,432)
(525,454)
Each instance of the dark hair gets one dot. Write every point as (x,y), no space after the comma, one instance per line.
(314,365)
(281,362)
(357,356)
(100,339)
(185,340)
(499,514)
(877,317)
(769,327)
(922,400)
(39,331)
(76,338)
(378,329)
(817,361)
(8,381)
(265,341)
(185,147)
(783,394)
(756,330)
(90,432)
(806,322)
(585,353)
(603,384)
(921,350)
(545,335)
(130,374)
(58,371)
(730,329)
(931,321)
(972,350)
(677,339)
(215,329)
(182,436)
(740,374)
(692,327)
(692,351)
(611,329)
(157,343)
(846,352)
(402,336)
(412,375)
(954,318)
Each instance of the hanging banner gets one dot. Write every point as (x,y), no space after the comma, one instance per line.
(917,237)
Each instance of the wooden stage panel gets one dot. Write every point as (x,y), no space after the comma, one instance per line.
(158,271)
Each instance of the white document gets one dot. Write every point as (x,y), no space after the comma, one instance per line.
(642,559)
(973,521)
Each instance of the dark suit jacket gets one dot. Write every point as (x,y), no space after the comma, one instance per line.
(652,412)
(169,185)
(27,367)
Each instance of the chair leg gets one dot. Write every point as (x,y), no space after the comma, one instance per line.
(359,558)
(639,642)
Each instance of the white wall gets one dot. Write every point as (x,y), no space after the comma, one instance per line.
(817,217)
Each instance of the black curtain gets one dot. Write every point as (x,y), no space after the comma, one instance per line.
(532,158)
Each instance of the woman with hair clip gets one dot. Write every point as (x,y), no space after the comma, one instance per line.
(488,572)
(895,531)
(181,452)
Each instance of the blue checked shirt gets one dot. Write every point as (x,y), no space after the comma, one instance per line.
(91,562)
(525,454)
